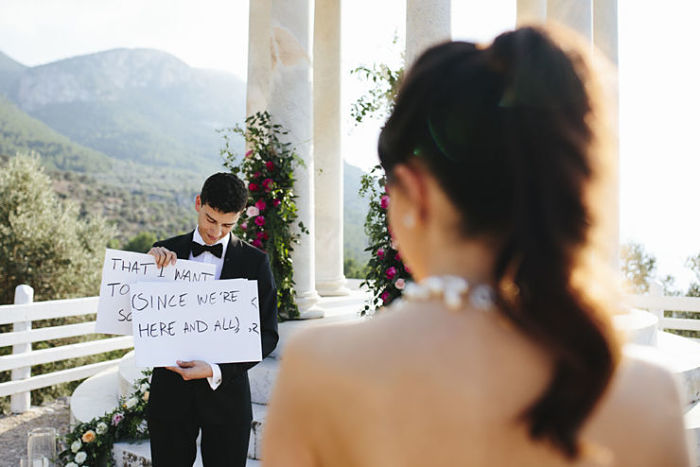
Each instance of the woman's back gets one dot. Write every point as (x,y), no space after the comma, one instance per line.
(422,385)
(497,168)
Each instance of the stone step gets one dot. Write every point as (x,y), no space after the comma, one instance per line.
(692,425)
(262,378)
(682,355)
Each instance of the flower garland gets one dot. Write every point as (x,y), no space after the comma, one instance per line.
(387,274)
(90,443)
(271,212)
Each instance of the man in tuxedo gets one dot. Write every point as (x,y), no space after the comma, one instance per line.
(202,395)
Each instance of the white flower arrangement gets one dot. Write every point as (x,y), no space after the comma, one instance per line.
(143,426)
(101,428)
(80,457)
(90,443)
(131,403)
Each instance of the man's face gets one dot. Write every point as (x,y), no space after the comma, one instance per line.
(214,224)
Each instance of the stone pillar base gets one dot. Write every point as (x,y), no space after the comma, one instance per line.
(308,308)
(332,288)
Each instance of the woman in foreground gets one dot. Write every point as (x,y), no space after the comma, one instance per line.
(502,354)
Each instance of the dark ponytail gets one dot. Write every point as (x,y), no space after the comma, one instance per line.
(508,132)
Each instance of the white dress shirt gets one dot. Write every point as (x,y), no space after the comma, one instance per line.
(209,258)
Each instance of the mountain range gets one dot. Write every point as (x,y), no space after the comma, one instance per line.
(137,122)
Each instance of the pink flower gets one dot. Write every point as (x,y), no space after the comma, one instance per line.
(116,418)
(380,253)
(260,204)
(260,221)
(260,235)
(257,243)
(248,153)
(253,187)
(384,201)
(244,226)
(397,256)
(270,165)
(400,284)
(385,296)
(252,211)
(257,175)
(276,202)
(267,184)
(391,273)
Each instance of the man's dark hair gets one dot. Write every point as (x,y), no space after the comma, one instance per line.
(224,192)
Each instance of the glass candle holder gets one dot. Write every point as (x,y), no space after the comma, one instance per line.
(41,447)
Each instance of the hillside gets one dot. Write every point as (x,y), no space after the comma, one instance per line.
(130,134)
(140,105)
(10,70)
(21,133)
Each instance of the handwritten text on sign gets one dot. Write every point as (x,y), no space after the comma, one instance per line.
(121,269)
(216,321)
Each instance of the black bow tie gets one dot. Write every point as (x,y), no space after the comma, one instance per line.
(216,250)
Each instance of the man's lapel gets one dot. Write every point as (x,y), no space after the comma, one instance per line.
(184,246)
(231,267)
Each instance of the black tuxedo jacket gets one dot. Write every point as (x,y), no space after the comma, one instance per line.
(171,397)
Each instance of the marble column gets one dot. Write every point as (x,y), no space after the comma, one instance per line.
(530,11)
(328,177)
(279,80)
(574,14)
(605,28)
(259,57)
(605,39)
(428,22)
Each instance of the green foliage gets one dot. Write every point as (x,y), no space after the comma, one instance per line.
(379,100)
(43,242)
(141,242)
(354,270)
(386,274)
(138,201)
(90,443)
(268,166)
(638,266)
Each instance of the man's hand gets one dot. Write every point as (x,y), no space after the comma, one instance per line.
(196,369)
(163,256)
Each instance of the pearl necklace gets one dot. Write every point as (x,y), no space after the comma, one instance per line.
(452,290)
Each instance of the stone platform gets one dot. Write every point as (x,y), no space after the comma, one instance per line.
(100,393)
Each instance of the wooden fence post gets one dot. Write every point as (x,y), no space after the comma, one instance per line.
(20,402)
(657,290)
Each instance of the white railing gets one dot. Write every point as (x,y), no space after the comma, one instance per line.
(21,315)
(656,302)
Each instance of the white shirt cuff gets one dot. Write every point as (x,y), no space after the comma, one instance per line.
(215,378)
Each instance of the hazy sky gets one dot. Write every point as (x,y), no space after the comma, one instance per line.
(659,76)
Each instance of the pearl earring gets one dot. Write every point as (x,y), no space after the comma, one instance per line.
(409,221)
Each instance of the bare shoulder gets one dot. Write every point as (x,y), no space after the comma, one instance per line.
(640,418)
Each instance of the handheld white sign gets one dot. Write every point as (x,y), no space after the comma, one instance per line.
(215,321)
(121,269)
